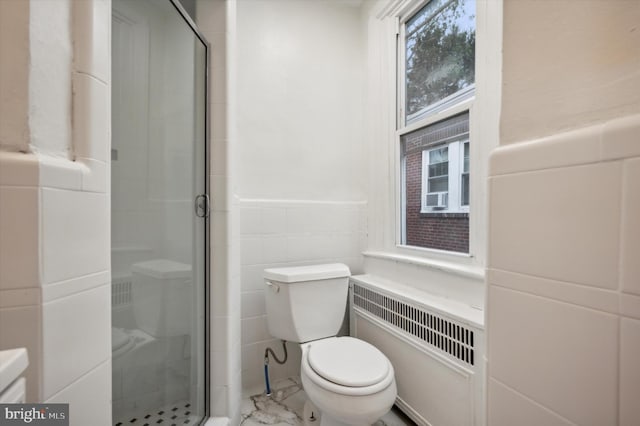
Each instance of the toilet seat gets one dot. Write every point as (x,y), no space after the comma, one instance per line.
(348,362)
(347,366)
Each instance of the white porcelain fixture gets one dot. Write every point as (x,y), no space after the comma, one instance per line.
(127,341)
(348,381)
(160,293)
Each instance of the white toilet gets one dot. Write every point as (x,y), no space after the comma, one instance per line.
(160,294)
(145,350)
(349,381)
(160,304)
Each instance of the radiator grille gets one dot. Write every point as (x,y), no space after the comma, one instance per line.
(437,332)
(120,291)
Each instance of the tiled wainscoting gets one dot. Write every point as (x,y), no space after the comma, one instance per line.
(55,282)
(289,233)
(564,281)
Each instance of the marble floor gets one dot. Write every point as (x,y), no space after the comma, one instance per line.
(285,406)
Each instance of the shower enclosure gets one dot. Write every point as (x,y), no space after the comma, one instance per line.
(159,210)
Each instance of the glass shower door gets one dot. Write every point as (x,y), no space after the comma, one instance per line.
(159,215)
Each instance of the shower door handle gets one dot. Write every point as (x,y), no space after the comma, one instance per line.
(202,205)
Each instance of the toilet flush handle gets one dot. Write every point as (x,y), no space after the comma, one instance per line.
(272,286)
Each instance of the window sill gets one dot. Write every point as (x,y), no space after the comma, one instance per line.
(467,271)
(447,215)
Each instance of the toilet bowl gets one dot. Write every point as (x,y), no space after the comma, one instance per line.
(125,342)
(348,380)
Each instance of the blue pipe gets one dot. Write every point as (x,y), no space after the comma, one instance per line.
(266,364)
(266,376)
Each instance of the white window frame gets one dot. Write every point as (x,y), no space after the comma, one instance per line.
(456,167)
(454,104)
(385,127)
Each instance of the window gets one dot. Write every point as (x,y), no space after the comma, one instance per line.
(437,49)
(445,184)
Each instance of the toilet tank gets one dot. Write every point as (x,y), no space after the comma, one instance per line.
(306,303)
(161,297)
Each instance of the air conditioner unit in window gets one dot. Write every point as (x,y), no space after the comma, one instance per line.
(437,200)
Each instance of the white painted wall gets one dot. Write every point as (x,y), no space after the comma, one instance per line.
(564,304)
(49,70)
(14,81)
(300,86)
(301,155)
(54,216)
(585,69)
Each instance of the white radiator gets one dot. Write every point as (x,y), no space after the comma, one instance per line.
(436,348)
(120,291)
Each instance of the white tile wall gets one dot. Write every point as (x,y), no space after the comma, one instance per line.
(88,394)
(17,169)
(255,330)
(62,235)
(91,106)
(74,240)
(568,212)
(507,407)
(60,173)
(563,309)
(620,138)
(629,372)
(21,327)
(559,341)
(631,226)
(95,175)
(234,389)
(19,260)
(253,304)
(73,347)
(92,53)
(287,233)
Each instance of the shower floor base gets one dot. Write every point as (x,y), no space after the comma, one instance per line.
(176,414)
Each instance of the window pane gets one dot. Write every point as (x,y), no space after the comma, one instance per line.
(439,184)
(431,213)
(465,161)
(440,169)
(465,190)
(438,155)
(440,52)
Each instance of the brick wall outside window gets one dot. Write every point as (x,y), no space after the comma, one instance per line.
(443,231)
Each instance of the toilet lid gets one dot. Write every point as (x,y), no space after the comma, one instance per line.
(348,361)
